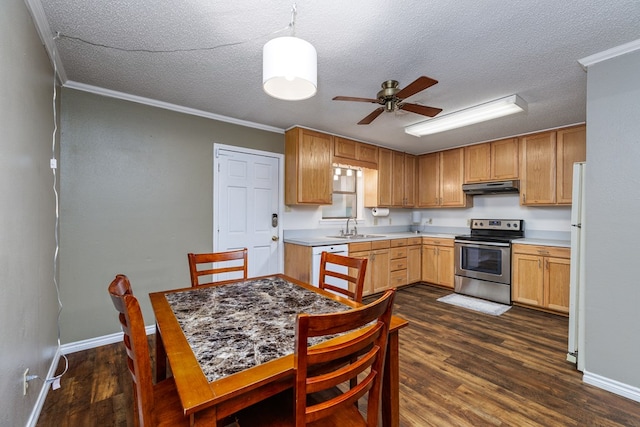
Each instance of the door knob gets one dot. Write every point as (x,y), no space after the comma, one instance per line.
(275,238)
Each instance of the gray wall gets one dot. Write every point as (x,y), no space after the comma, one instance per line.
(28,306)
(136,197)
(612,207)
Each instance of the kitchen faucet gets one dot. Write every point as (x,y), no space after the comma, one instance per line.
(355,228)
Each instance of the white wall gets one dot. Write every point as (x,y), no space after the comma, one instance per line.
(547,222)
(28,306)
(612,323)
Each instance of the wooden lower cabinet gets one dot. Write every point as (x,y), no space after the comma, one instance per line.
(438,261)
(540,277)
(414,260)
(377,274)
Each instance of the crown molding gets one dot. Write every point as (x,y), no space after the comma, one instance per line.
(609,53)
(168,106)
(44,31)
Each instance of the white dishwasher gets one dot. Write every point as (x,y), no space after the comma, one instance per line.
(316,253)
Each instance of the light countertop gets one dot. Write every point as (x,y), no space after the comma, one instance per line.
(325,240)
(544,242)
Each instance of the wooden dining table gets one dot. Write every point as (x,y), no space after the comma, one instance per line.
(230,345)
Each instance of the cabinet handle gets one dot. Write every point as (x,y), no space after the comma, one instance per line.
(546,264)
(524,198)
(539,264)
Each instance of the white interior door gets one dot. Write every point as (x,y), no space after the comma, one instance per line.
(246,206)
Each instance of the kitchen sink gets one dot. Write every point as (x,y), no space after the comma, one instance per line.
(356,236)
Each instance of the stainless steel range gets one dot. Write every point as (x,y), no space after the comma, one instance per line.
(483,259)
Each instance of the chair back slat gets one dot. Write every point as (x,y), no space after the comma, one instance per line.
(211,261)
(357,268)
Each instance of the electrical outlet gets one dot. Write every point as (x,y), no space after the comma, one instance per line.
(25,384)
(430,221)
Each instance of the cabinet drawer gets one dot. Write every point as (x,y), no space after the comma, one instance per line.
(411,241)
(398,242)
(437,241)
(398,278)
(359,247)
(398,252)
(552,251)
(379,244)
(398,264)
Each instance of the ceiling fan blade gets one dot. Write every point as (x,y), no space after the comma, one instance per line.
(421,83)
(371,117)
(421,109)
(351,98)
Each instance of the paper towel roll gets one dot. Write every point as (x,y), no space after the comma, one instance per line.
(380,212)
(416,217)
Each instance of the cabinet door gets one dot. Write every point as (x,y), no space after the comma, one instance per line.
(452,177)
(344,148)
(429,180)
(385,177)
(504,159)
(527,283)
(410,163)
(445,266)
(308,174)
(368,284)
(397,179)
(413,264)
(571,148)
(429,264)
(367,153)
(538,169)
(380,270)
(556,279)
(477,163)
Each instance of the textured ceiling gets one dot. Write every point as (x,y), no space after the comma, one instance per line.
(477,50)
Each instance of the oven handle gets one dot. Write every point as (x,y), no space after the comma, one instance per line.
(476,244)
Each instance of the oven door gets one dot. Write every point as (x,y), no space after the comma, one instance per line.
(483,261)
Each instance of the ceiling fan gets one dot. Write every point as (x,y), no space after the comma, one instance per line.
(391,98)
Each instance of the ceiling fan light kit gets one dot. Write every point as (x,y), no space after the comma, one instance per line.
(479,113)
(289,69)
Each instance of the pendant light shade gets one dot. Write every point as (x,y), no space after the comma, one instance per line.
(289,69)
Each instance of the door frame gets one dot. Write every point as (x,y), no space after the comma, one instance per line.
(280,158)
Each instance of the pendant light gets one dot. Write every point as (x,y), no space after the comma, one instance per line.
(290,66)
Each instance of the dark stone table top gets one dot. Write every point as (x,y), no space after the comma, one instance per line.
(236,326)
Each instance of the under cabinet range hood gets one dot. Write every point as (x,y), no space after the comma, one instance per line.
(499,187)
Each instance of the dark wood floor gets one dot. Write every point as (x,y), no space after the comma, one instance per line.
(457,368)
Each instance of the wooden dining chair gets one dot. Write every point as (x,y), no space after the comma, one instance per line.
(355,281)
(316,400)
(213,259)
(154,404)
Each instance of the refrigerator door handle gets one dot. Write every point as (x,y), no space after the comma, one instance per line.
(577,225)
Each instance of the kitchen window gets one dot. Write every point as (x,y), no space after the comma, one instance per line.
(345,195)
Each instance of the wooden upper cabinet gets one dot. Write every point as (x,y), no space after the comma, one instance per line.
(308,167)
(429,180)
(440,178)
(491,161)
(452,177)
(505,159)
(393,184)
(571,148)
(355,153)
(477,163)
(546,165)
(538,169)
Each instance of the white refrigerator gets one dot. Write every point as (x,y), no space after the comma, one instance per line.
(577,281)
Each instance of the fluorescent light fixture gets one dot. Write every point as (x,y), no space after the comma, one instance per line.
(480,113)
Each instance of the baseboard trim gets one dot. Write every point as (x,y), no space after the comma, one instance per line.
(613,386)
(68,349)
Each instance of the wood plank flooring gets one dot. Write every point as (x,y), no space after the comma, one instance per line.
(457,368)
